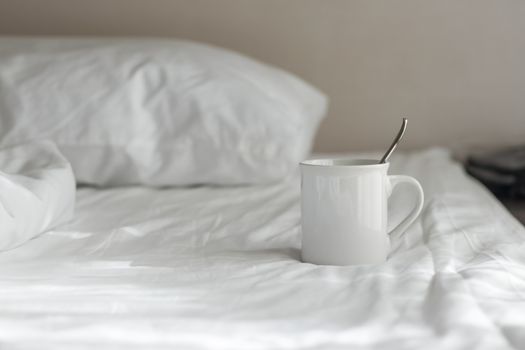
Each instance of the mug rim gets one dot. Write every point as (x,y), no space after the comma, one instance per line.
(343,163)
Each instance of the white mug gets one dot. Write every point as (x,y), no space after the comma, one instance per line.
(344,211)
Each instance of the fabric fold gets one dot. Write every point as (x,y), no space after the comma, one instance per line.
(37,192)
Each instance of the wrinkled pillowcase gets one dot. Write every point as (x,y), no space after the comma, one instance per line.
(37,192)
(156,112)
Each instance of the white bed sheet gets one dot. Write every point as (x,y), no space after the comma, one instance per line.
(219,268)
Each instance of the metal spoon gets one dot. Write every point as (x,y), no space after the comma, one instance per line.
(396,141)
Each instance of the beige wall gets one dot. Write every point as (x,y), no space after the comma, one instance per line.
(455,67)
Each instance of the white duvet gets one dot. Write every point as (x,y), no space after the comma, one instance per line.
(37,191)
(205,268)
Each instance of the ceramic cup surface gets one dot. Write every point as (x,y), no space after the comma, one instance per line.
(344,210)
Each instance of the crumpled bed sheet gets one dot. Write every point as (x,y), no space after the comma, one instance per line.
(211,267)
(37,191)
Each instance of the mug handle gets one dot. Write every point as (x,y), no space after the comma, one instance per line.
(414,213)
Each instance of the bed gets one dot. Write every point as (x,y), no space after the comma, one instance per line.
(150,199)
(212,267)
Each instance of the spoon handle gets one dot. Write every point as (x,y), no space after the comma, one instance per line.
(396,141)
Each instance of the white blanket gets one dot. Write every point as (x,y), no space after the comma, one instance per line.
(37,192)
(218,268)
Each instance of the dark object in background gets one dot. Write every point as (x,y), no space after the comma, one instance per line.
(503,172)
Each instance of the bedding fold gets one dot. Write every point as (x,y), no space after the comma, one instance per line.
(37,192)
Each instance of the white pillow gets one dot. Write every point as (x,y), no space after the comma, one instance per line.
(37,192)
(156,112)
